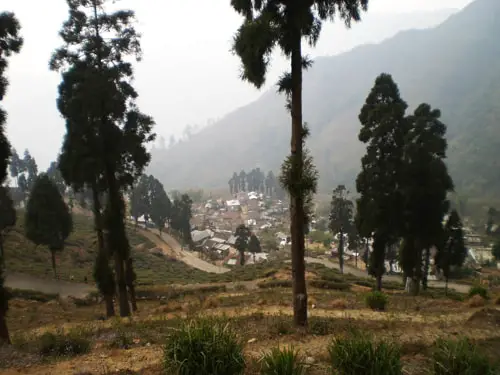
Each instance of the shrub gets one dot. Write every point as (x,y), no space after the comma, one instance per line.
(331,285)
(459,357)
(476,301)
(478,290)
(51,344)
(282,362)
(376,300)
(204,347)
(359,355)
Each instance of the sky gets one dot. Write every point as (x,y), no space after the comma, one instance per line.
(187,75)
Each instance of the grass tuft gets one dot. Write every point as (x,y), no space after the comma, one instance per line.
(359,355)
(459,357)
(285,361)
(204,347)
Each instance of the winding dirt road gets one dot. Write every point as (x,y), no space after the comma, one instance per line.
(171,247)
(63,288)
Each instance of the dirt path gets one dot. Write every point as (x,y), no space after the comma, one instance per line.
(359,273)
(63,288)
(171,247)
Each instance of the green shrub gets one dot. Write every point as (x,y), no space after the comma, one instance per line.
(359,355)
(285,361)
(330,285)
(478,290)
(376,300)
(204,347)
(459,357)
(54,344)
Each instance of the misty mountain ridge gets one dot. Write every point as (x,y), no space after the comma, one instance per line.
(451,66)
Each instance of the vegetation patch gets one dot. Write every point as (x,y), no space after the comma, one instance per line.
(32,295)
(460,357)
(360,355)
(204,347)
(286,361)
(376,300)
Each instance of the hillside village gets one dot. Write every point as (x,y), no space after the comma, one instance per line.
(214,222)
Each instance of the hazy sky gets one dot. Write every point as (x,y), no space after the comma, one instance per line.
(187,75)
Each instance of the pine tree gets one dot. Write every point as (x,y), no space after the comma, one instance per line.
(8,218)
(102,119)
(10,43)
(452,250)
(276,23)
(48,221)
(380,206)
(341,218)
(160,207)
(254,245)
(426,186)
(242,235)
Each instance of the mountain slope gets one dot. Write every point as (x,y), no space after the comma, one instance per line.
(454,66)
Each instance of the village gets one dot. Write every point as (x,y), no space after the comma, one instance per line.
(215,221)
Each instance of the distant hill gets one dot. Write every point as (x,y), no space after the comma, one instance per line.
(454,66)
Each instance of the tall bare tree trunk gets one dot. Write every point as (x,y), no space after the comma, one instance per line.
(130,278)
(341,252)
(117,238)
(427,262)
(53,257)
(101,246)
(296,197)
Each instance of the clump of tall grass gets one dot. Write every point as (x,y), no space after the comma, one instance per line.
(285,361)
(376,300)
(204,347)
(358,354)
(460,357)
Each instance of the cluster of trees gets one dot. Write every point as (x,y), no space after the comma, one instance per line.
(104,146)
(149,199)
(257,181)
(404,185)
(246,241)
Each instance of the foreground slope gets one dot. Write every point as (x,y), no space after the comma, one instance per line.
(454,66)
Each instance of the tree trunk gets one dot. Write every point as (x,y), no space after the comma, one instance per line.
(417,273)
(130,279)
(4,331)
(53,257)
(426,268)
(110,306)
(379,283)
(117,239)
(341,251)
(133,299)
(296,197)
(242,257)
(101,246)
(2,254)
(446,286)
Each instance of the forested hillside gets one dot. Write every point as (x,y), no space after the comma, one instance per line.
(450,66)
